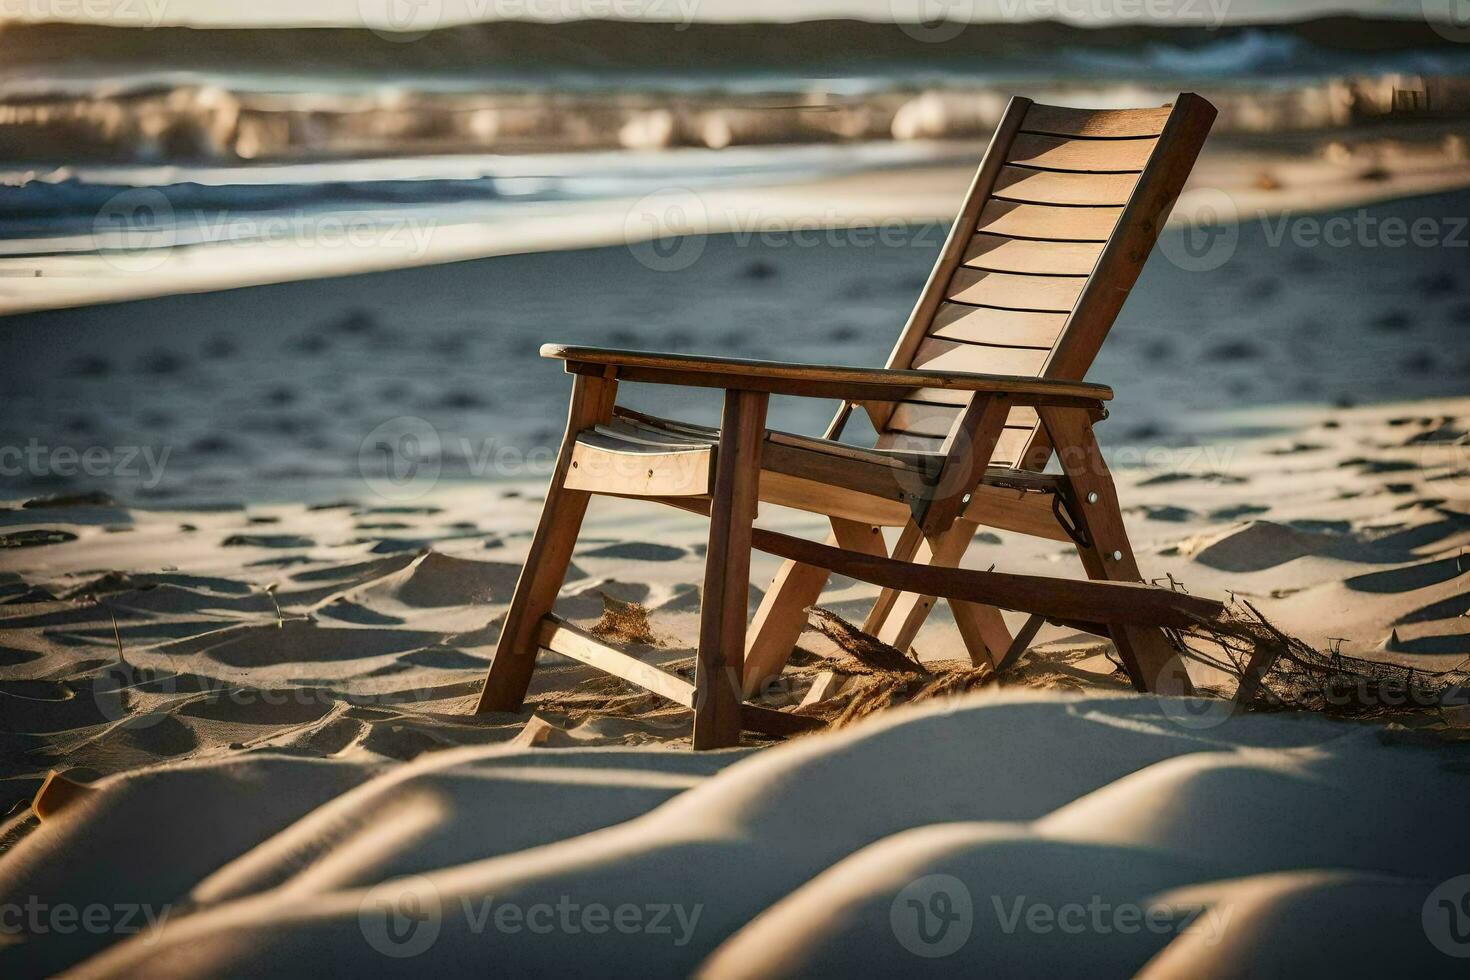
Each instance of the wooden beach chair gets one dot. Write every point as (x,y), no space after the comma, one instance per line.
(983,387)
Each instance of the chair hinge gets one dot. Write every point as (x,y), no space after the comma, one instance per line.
(1062,509)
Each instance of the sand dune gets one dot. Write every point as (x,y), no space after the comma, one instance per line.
(727,840)
(271,745)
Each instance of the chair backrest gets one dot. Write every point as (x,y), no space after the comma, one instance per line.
(1054,231)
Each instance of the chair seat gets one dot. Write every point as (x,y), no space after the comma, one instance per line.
(641,455)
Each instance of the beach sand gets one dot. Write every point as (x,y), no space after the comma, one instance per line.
(258,668)
(278,663)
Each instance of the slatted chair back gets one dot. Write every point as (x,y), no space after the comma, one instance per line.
(1055,229)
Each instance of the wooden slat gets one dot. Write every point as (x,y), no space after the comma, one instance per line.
(647,435)
(1109,123)
(1001,254)
(1123,259)
(1051,223)
(1009,328)
(1128,602)
(905,440)
(933,420)
(1015,510)
(705,432)
(1053,187)
(827,498)
(812,464)
(562,637)
(946,355)
(1080,155)
(604,462)
(829,447)
(935,396)
(958,238)
(1052,294)
(810,380)
(1008,447)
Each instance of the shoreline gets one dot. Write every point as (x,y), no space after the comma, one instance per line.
(1233,182)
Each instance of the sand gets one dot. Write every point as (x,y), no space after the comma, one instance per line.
(280,667)
(252,675)
(1182,852)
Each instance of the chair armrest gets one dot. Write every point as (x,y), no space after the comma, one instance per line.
(815,380)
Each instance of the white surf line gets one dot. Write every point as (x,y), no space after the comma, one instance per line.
(413,237)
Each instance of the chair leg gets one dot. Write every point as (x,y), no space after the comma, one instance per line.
(1147,653)
(547,561)
(719,661)
(896,617)
(782,614)
(910,542)
(984,630)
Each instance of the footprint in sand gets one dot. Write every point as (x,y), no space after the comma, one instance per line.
(1255,546)
(1456,606)
(637,551)
(1411,577)
(267,541)
(35,538)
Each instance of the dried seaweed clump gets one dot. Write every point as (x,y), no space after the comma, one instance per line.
(624,621)
(1277,671)
(883,676)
